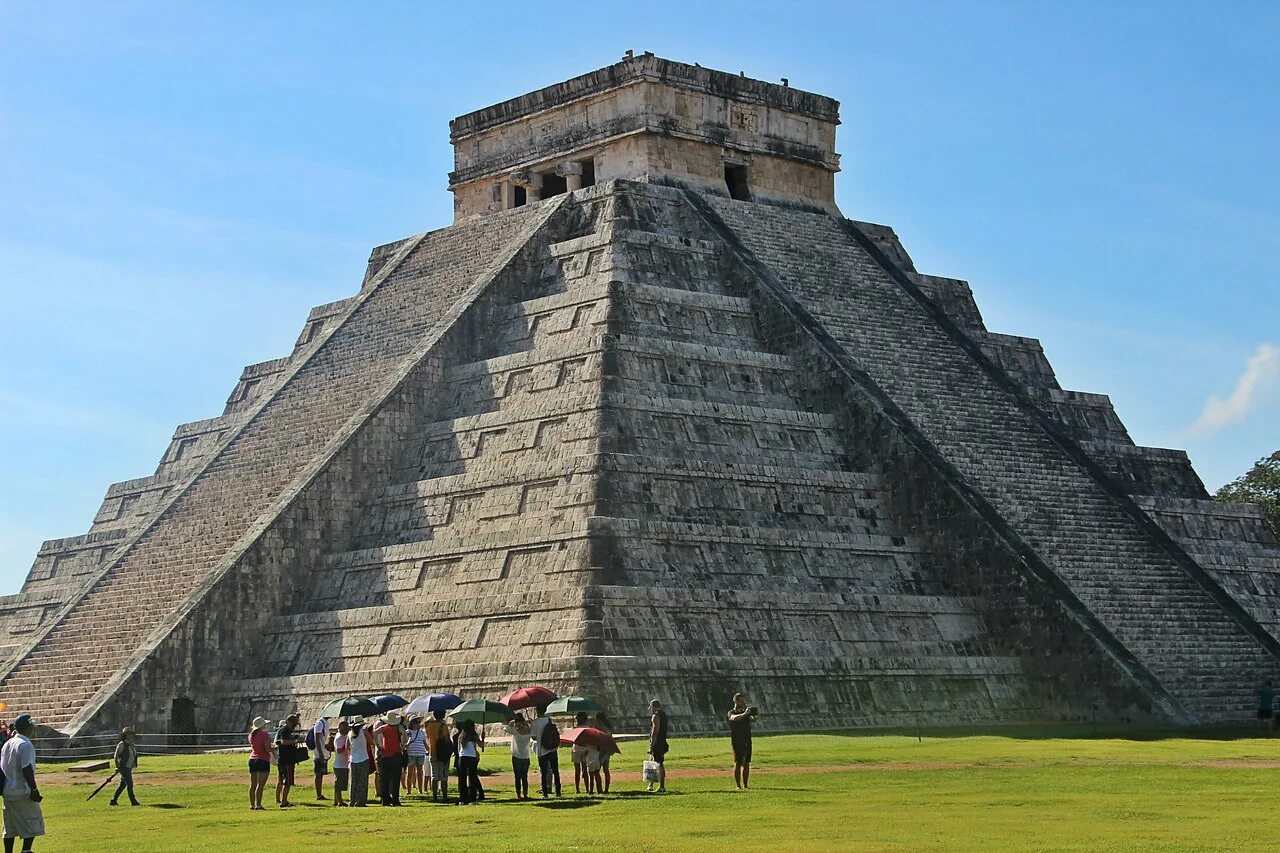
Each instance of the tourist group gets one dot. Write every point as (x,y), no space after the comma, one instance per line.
(392,746)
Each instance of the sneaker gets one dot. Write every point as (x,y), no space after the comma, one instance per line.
(113,803)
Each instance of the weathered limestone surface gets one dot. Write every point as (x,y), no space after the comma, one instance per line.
(677,431)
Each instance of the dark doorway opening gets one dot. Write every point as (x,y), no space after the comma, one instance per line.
(735,178)
(521,198)
(553,184)
(588,172)
(182,721)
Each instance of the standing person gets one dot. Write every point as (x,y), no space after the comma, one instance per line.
(578,755)
(341,762)
(740,719)
(390,758)
(415,753)
(287,741)
(1267,707)
(521,740)
(546,742)
(604,725)
(361,757)
(126,759)
(260,752)
(469,746)
(320,743)
(591,769)
(22,815)
(658,745)
(440,748)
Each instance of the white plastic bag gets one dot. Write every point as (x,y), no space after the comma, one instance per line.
(650,770)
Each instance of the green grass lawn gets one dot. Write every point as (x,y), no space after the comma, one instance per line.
(1037,789)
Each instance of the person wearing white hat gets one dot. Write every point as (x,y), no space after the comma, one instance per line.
(361,757)
(391,739)
(259,761)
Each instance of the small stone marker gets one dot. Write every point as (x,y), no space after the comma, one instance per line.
(89,766)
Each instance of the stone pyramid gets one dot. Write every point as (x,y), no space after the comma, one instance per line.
(652,418)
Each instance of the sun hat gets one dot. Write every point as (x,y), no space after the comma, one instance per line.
(260,722)
(357,720)
(393,719)
(127,730)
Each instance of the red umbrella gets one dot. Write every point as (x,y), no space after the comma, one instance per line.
(587,736)
(528,697)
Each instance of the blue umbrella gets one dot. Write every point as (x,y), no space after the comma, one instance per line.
(389,702)
(433,702)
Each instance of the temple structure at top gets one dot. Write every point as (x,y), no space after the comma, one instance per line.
(648,118)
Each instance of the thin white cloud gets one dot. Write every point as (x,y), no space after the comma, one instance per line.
(1261,370)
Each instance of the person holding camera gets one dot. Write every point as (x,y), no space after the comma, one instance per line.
(740,719)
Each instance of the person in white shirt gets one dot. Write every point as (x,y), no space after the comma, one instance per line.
(361,758)
(521,740)
(341,762)
(320,733)
(22,815)
(548,756)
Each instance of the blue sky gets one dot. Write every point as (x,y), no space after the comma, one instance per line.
(180,182)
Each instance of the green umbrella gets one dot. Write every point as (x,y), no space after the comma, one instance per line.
(350,706)
(574,705)
(481,711)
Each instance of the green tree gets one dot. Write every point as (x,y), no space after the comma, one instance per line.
(1261,486)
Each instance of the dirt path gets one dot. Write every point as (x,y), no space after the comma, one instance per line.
(63,779)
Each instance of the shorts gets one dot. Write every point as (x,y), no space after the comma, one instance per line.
(22,817)
(321,766)
(440,769)
(1265,713)
(286,774)
(415,760)
(742,752)
(341,777)
(659,750)
(579,755)
(259,765)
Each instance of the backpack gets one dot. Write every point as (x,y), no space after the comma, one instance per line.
(310,739)
(550,737)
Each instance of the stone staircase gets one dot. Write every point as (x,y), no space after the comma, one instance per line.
(201,528)
(1148,601)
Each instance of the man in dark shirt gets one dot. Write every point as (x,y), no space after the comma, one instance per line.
(658,743)
(740,719)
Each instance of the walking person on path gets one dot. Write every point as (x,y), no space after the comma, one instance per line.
(126,759)
(415,754)
(658,746)
(1267,707)
(440,748)
(23,817)
(546,741)
(604,725)
(341,762)
(322,746)
(740,719)
(361,758)
(260,752)
(521,740)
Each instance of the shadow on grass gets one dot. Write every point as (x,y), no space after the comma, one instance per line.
(165,806)
(1049,731)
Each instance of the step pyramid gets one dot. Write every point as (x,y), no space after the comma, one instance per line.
(624,434)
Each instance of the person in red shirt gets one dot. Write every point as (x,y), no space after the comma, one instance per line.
(259,762)
(391,739)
